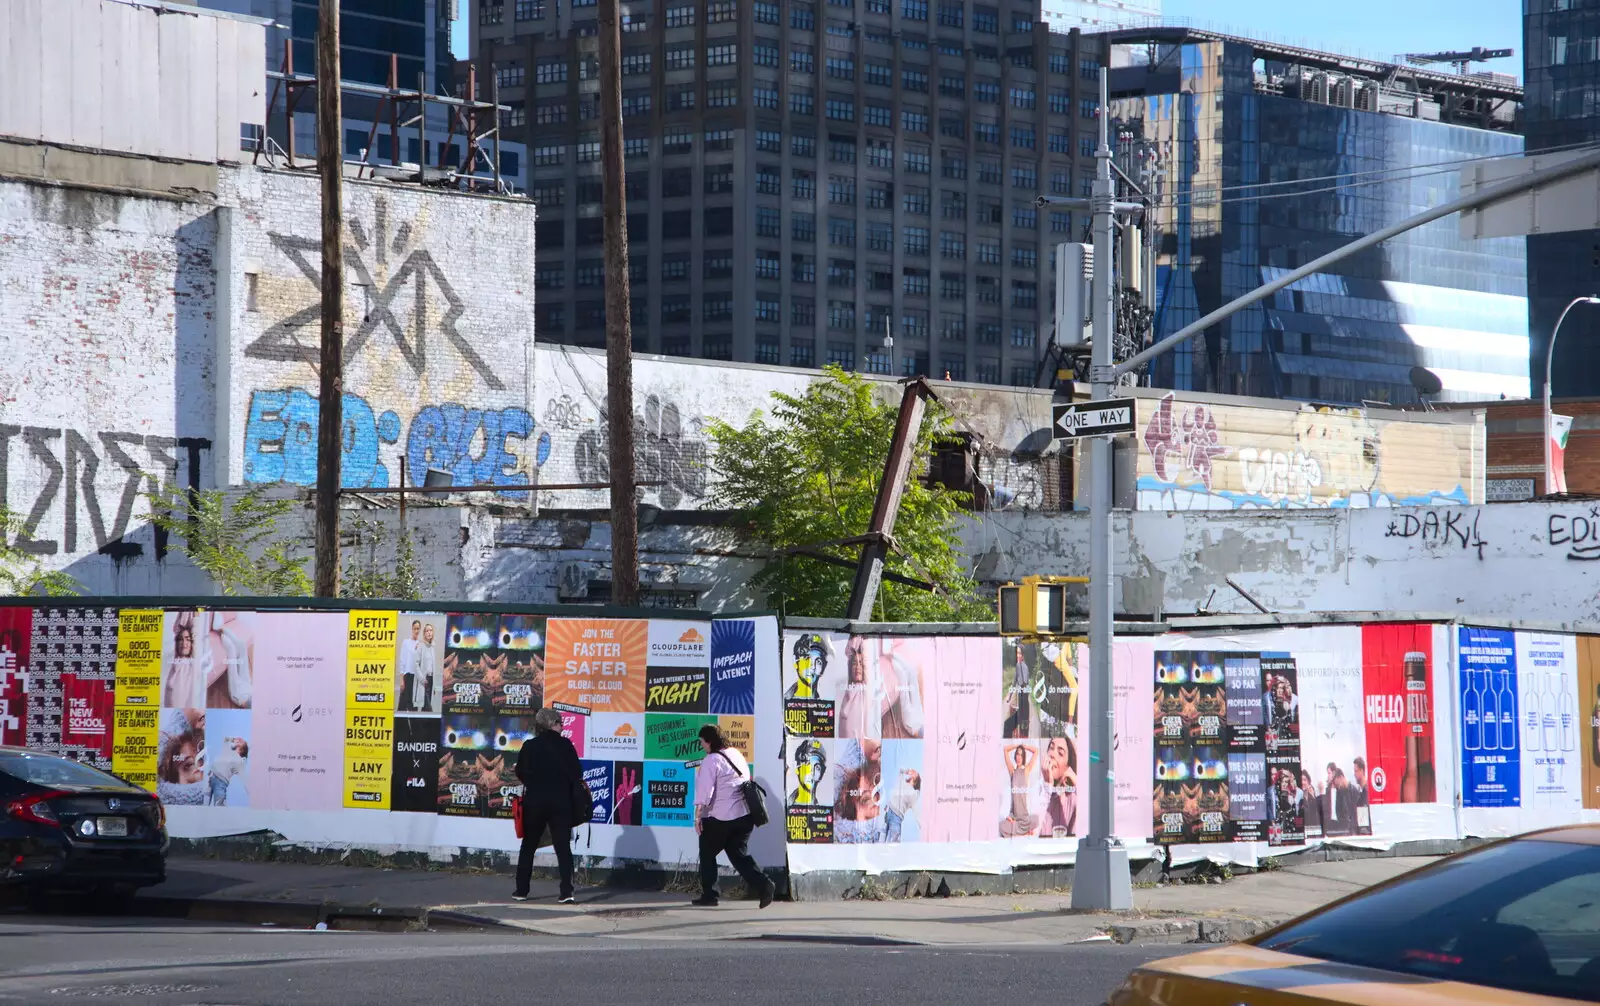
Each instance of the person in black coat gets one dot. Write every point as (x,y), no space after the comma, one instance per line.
(551,776)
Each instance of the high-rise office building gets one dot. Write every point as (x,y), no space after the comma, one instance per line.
(804,175)
(1262,158)
(1561,62)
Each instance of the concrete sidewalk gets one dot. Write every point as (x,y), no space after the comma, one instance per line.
(357,897)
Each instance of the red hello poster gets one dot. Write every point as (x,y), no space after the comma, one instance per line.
(1397,668)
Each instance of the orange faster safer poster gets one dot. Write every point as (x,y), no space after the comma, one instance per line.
(1589,717)
(596,664)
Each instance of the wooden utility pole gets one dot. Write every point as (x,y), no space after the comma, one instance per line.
(619,344)
(330,419)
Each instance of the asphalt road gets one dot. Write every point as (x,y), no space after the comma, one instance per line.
(53,960)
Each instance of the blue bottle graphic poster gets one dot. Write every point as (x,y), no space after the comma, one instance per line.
(1491,751)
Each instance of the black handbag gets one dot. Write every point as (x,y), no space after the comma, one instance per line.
(755,798)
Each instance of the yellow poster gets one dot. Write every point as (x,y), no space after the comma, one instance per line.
(740,732)
(137,696)
(369,709)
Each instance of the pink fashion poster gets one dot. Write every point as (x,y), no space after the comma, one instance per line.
(297,752)
(962,727)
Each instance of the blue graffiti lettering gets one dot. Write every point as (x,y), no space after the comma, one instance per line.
(280,442)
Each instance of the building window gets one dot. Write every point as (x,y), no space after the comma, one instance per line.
(766,13)
(721,10)
(765,97)
(1025,256)
(880,153)
(767,350)
(716,307)
(952,246)
(769,181)
(802,59)
(718,179)
(841,232)
(1021,23)
(681,58)
(988,253)
(510,75)
(802,101)
(676,225)
(914,324)
(803,146)
(550,71)
(841,109)
(915,240)
(681,99)
(842,190)
(1022,136)
(841,150)
(719,139)
(914,120)
(769,309)
(1088,108)
(636,103)
(591,273)
(550,113)
(676,182)
(916,200)
(841,67)
(802,353)
(636,148)
(766,55)
(987,91)
(990,211)
(803,226)
(680,17)
(1024,175)
(802,311)
(841,316)
(722,55)
(988,333)
(588,152)
(880,281)
(803,17)
(914,79)
(491,13)
(1023,335)
(880,195)
(677,142)
(1086,144)
(1060,222)
(676,309)
(552,277)
(1059,143)
(634,63)
(1022,97)
(722,95)
(1025,215)
(914,10)
(953,205)
(986,20)
(841,272)
(914,281)
(953,286)
(769,140)
(841,354)
(877,115)
(803,185)
(953,126)
(768,222)
(1024,293)
(919,162)
(1089,69)
(530,10)
(769,265)
(877,74)
(880,237)
(950,15)
(548,194)
(986,132)
(718,264)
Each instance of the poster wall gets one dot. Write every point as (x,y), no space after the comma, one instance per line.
(1588,672)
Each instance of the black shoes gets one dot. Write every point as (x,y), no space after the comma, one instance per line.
(767,893)
(705,902)
(519,897)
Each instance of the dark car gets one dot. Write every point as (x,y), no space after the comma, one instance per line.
(68,826)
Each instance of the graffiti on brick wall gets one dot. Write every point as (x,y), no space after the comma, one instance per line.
(476,446)
(667,448)
(77,492)
(415,279)
(1205,457)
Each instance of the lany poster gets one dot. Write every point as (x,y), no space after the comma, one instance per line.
(138,696)
(369,709)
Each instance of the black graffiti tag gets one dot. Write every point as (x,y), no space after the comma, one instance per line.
(1441,527)
(1580,533)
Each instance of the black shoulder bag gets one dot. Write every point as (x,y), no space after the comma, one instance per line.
(755,798)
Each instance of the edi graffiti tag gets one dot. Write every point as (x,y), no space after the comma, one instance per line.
(1579,534)
(1441,529)
(477,446)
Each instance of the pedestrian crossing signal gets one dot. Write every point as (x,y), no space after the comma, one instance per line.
(1037,606)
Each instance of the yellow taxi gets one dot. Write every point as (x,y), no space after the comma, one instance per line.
(1512,923)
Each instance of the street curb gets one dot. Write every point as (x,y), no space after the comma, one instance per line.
(1188,930)
(309,915)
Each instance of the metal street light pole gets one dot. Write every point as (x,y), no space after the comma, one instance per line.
(1549,356)
(1100,876)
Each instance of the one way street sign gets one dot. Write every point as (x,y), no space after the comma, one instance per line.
(1093,419)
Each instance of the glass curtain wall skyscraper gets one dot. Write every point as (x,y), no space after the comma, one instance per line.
(1262,159)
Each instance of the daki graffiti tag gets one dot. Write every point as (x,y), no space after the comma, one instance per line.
(1188,443)
(70,464)
(474,445)
(1436,528)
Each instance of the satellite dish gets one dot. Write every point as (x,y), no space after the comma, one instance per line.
(1426,381)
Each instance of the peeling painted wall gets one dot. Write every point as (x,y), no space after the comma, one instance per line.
(1535,561)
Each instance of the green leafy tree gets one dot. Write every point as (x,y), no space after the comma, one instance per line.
(233,538)
(21,574)
(809,474)
(368,574)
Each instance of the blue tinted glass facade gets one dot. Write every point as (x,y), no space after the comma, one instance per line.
(1561,62)
(1222,143)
